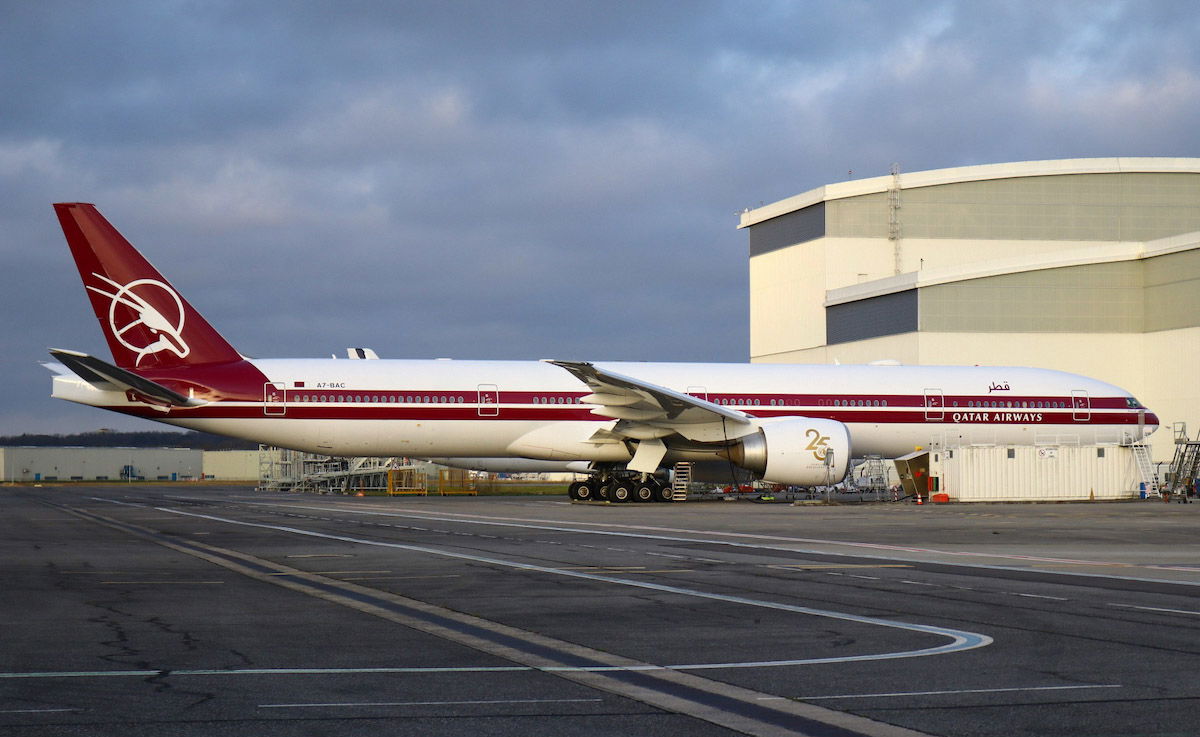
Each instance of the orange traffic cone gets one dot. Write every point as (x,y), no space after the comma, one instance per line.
(920,500)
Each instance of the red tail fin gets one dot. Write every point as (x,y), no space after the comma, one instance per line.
(145,320)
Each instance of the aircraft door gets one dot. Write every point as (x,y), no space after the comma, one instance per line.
(699,392)
(935,405)
(1081,405)
(489,400)
(274,399)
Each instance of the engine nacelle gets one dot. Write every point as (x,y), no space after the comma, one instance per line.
(796,450)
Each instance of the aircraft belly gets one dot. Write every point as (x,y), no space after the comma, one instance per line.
(372,437)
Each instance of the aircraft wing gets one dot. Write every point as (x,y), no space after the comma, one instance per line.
(626,398)
(106,377)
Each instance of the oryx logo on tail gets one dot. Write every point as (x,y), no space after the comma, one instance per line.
(146,316)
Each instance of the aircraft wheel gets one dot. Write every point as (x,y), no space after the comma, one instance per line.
(621,492)
(604,491)
(581,491)
(643,492)
(664,493)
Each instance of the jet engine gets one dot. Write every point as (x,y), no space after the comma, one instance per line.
(798,450)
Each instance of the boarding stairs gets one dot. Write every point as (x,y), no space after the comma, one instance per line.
(874,476)
(681,479)
(1185,466)
(1145,469)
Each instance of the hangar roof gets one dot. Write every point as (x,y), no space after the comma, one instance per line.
(912,180)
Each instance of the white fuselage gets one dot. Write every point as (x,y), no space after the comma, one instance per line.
(530,409)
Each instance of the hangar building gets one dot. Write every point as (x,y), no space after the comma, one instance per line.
(1085,265)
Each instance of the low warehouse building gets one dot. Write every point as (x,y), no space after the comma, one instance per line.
(100,464)
(235,465)
(26,464)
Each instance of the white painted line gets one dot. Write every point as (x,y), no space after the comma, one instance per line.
(1156,609)
(1040,596)
(855,575)
(944,693)
(35,711)
(135,583)
(266,672)
(959,639)
(919,583)
(428,703)
(114,501)
(556,525)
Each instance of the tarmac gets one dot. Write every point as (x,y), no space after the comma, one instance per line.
(202,610)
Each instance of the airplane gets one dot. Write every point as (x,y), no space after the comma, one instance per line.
(627,423)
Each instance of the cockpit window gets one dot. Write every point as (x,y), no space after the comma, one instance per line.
(1131,403)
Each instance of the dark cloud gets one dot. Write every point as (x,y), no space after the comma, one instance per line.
(516,179)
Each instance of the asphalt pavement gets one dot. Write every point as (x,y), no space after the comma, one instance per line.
(205,610)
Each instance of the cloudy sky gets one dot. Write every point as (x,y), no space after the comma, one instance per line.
(505,179)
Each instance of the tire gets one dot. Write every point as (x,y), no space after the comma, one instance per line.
(579,491)
(664,493)
(643,492)
(621,492)
(604,491)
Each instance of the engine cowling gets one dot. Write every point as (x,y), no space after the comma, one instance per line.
(796,450)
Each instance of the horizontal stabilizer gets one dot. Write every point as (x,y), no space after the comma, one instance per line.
(106,377)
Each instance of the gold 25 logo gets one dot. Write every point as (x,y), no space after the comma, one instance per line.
(817,443)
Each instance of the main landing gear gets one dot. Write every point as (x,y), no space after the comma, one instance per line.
(612,488)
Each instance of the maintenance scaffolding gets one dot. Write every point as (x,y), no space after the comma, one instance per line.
(281,469)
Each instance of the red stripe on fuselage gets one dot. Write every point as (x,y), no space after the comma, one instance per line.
(578,412)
